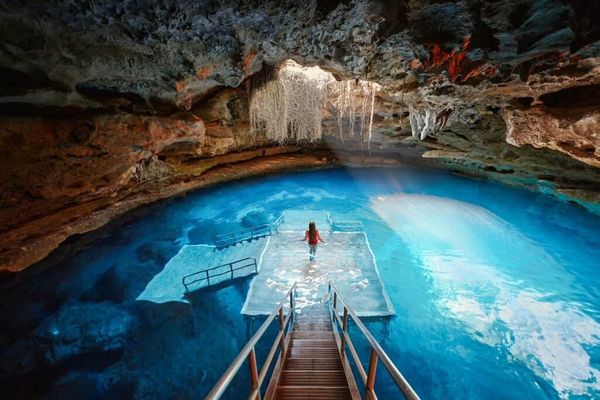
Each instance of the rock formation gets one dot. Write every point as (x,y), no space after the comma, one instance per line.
(108,105)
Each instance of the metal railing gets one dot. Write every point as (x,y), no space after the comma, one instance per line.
(347,226)
(278,222)
(215,272)
(248,352)
(229,239)
(344,226)
(376,353)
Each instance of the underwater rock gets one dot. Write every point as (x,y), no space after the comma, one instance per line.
(255,218)
(20,358)
(89,385)
(111,286)
(84,328)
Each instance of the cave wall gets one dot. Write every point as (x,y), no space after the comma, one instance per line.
(107,105)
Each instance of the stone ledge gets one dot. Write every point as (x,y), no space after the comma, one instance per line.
(30,243)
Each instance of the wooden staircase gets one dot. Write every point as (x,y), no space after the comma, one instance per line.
(312,362)
(312,368)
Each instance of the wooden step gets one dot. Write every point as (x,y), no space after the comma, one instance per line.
(313,368)
(313,352)
(326,378)
(316,364)
(323,343)
(312,326)
(313,393)
(312,319)
(312,335)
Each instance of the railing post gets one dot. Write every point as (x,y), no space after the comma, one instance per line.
(334,301)
(370,385)
(231,269)
(292,305)
(281,328)
(253,371)
(207,278)
(344,331)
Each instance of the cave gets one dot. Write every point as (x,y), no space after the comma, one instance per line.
(299,200)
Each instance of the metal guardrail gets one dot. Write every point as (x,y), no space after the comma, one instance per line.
(377,352)
(248,352)
(347,226)
(206,275)
(278,222)
(229,239)
(344,226)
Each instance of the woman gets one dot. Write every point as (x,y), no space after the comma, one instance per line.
(313,237)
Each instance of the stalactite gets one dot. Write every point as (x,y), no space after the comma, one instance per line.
(288,108)
(427,120)
(373,93)
(350,97)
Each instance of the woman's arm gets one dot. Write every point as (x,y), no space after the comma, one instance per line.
(305,236)
(319,237)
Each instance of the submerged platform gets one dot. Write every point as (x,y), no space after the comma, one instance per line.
(167,286)
(346,259)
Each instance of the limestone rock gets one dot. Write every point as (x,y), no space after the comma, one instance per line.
(106,105)
(575,135)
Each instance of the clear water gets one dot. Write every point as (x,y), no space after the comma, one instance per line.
(496,292)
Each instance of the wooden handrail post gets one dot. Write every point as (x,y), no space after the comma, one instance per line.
(253,371)
(344,332)
(334,301)
(207,278)
(370,385)
(231,269)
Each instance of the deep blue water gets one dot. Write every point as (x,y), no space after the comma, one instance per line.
(496,291)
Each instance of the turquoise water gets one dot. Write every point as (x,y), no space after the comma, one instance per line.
(496,292)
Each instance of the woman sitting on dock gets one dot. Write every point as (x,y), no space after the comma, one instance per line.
(313,237)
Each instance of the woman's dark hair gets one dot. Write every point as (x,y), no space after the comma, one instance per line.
(312,231)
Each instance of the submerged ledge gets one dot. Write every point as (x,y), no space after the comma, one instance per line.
(32,242)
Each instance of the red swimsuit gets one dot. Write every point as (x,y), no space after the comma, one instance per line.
(314,240)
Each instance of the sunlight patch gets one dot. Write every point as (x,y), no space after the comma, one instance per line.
(483,273)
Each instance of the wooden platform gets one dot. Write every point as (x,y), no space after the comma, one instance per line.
(313,368)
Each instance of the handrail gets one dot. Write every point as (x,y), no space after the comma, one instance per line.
(206,272)
(228,239)
(377,352)
(248,352)
(278,222)
(333,223)
(351,224)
